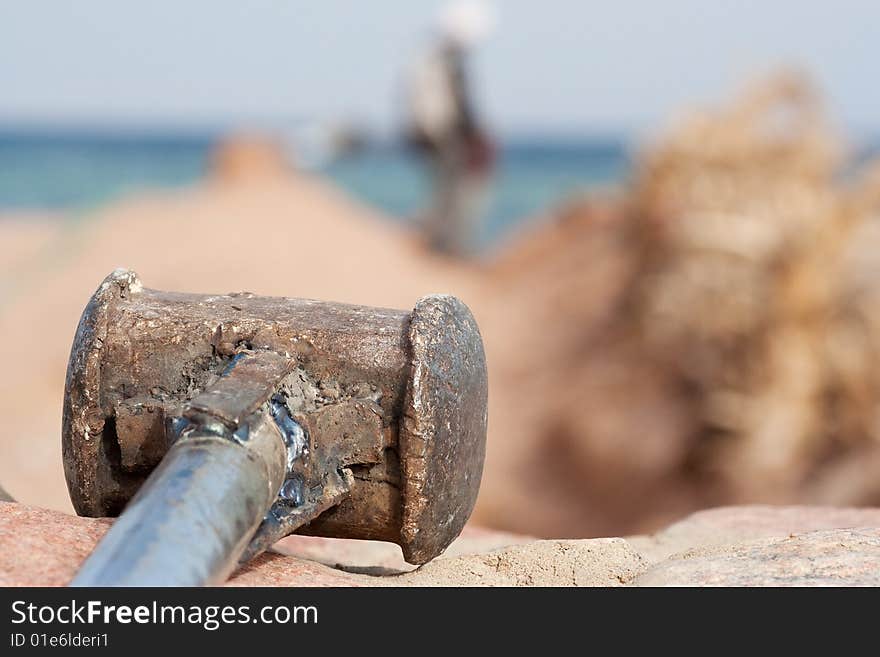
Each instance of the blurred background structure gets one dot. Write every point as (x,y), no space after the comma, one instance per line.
(680,305)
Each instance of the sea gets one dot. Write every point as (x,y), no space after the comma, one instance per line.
(81,171)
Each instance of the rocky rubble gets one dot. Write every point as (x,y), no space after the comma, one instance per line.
(735,546)
(709,338)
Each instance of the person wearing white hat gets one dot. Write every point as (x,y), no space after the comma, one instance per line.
(443,127)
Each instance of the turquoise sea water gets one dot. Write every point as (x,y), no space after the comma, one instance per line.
(81,171)
(531,176)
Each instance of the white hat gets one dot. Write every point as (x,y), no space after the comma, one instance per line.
(467,22)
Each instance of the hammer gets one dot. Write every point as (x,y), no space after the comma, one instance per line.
(223,423)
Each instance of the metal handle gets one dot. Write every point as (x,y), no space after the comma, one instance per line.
(194,516)
(192,519)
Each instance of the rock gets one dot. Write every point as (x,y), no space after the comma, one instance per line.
(589,562)
(586,562)
(373,557)
(835,557)
(377,557)
(39,547)
(748,546)
(272,569)
(732,525)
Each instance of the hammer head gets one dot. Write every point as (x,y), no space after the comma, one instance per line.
(396,398)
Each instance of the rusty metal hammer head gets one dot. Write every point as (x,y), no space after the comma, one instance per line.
(392,402)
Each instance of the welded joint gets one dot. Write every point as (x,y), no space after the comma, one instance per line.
(307,489)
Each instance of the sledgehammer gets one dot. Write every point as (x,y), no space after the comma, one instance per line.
(219,424)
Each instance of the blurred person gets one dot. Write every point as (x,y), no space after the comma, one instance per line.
(443,128)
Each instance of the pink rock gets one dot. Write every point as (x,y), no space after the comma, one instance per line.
(738,524)
(41,547)
(377,557)
(833,557)
(740,546)
(271,569)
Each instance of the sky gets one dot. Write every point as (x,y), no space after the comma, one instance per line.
(551,66)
